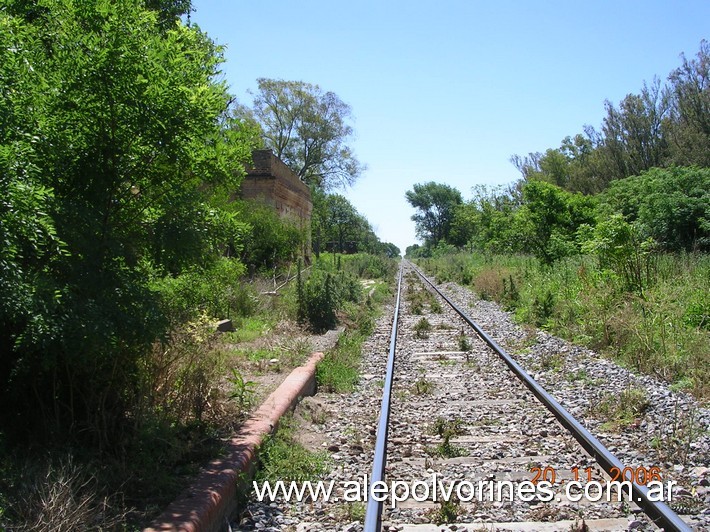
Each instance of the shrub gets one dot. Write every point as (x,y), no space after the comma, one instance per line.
(323,295)
(270,240)
(218,292)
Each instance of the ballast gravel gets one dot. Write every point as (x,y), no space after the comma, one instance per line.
(461,417)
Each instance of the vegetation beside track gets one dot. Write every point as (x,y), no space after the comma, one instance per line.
(282,456)
(663,331)
(208,383)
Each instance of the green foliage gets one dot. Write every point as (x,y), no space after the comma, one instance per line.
(436,204)
(113,178)
(283,457)
(688,130)
(549,218)
(423,386)
(447,512)
(179,376)
(538,218)
(670,205)
(269,241)
(485,222)
(323,295)
(218,291)
(367,266)
(336,226)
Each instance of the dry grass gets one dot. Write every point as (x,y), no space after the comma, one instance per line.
(489,283)
(63,497)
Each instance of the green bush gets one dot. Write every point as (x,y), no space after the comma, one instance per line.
(323,295)
(671,205)
(219,292)
(270,240)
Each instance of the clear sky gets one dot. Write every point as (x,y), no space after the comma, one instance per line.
(448,90)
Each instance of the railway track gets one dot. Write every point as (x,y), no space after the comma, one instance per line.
(462,427)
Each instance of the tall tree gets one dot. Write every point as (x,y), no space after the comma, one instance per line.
(690,127)
(112,148)
(633,136)
(436,204)
(309,130)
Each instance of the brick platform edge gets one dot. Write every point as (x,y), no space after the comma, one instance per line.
(213,497)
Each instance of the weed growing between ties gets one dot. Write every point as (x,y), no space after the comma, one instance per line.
(446,429)
(423,386)
(422,329)
(447,512)
(353,511)
(464,344)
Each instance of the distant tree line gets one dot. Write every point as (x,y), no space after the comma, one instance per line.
(663,125)
(644,179)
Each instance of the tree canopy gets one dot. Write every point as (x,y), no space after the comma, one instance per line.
(308,129)
(665,124)
(115,162)
(435,204)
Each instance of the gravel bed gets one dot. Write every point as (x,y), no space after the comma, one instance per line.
(500,430)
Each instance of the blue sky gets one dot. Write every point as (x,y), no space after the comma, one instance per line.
(448,90)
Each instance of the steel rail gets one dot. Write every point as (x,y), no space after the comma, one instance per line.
(659,512)
(373,512)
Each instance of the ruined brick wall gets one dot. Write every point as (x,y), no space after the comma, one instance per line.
(271,181)
(274,183)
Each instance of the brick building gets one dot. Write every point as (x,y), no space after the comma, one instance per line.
(269,180)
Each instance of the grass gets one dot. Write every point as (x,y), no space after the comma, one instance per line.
(283,457)
(662,330)
(621,410)
(422,329)
(249,328)
(339,370)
